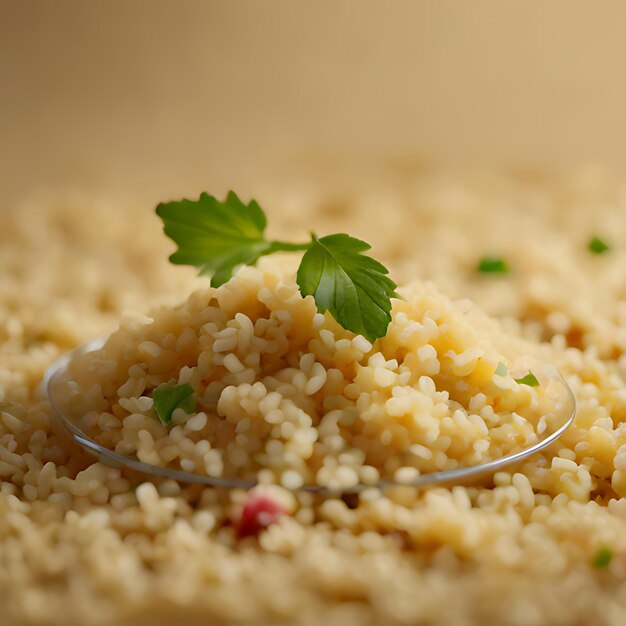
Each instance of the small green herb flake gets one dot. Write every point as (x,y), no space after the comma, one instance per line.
(352,286)
(597,246)
(169,397)
(493,265)
(501,370)
(530,379)
(602,558)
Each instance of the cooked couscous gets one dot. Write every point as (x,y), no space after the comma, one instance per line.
(540,543)
(285,395)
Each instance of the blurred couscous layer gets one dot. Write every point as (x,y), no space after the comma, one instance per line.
(543,543)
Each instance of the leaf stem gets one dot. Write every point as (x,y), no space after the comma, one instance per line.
(276,246)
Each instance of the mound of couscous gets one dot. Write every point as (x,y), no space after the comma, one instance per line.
(282,394)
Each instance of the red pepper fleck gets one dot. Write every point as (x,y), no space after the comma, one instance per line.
(259,512)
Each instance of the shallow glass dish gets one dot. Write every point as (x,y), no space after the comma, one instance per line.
(565,411)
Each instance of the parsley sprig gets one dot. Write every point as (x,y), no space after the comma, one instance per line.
(218,237)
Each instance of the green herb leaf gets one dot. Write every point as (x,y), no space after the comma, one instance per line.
(602,558)
(597,246)
(352,286)
(169,397)
(217,237)
(530,379)
(501,370)
(493,265)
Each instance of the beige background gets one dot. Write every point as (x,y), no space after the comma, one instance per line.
(177,96)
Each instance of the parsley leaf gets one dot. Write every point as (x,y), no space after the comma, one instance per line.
(215,236)
(597,246)
(602,558)
(169,397)
(493,265)
(530,379)
(352,286)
